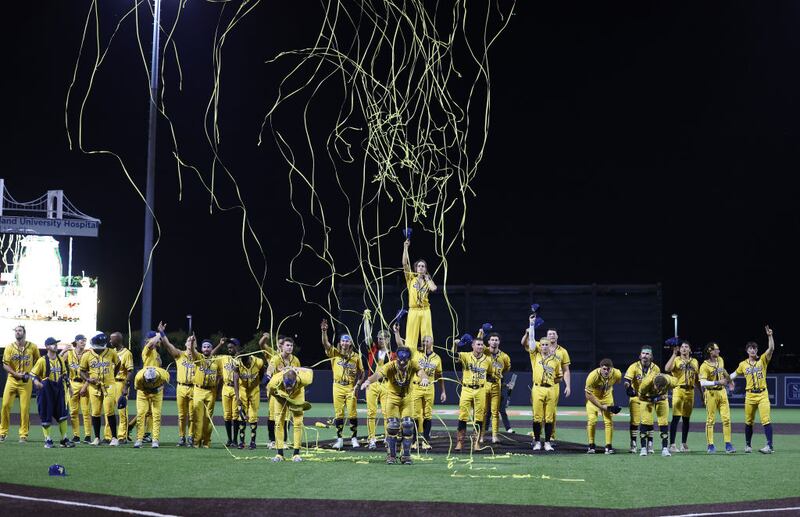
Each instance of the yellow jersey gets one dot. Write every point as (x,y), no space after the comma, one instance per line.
(501,364)
(125,364)
(755,373)
(58,367)
(474,369)
(345,368)
(74,364)
(162,377)
(545,369)
(417,291)
(712,371)
(100,366)
(636,373)
(150,356)
(649,392)
(228,364)
(561,354)
(250,376)
(21,360)
(304,378)
(278,363)
(685,370)
(600,386)
(430,364)
(207,371)
(398,382)
(184,367)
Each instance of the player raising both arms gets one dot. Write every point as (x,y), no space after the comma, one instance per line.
(600,399)
(634,375)
(184,364)
(684,368)
(419,285)
(348,372)
(754,369)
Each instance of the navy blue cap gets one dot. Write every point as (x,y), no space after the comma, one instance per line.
(80,337)
(151,334)
(50,341)
(235,341)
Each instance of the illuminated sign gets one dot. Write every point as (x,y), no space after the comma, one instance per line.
(43,226)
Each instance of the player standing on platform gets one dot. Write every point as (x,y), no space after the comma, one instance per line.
(18,359)
(399,401)
(653,398)
(600,399)
(714,380)
(475,366)
(634,375)
(419,284)
(754,369)
(50,375)
(684,368)
(348,372)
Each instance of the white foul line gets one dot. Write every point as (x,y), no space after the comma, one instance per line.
(98,506)
(735,512)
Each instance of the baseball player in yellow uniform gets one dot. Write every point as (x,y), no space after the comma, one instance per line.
(422,397)
(151,357)
(247,383)
(399,401)
(122,384)
(379,355)
(184,366)
(419,285)
(634,375)
(79,398)
(207,375)
(285,358)
(653,398)
(98,368)
(288,388)
(684,368)
(501,364)
(546,366)
(50,375)
(600,399)
(18,359)
(475,366)
(714,380)
(348,371)
(149,384)
(754,369)
(230,396)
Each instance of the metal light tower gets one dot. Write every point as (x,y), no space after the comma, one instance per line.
(149,211)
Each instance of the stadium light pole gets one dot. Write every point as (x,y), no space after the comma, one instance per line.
(150,190)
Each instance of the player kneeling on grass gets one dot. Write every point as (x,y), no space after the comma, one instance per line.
(288,389)
(149,384)
(399,403)
(50,377)
(600,399)
(653,397)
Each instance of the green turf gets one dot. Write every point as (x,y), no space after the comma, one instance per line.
(620,481)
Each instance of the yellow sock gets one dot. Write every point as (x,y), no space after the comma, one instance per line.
(46,432)
(62,427)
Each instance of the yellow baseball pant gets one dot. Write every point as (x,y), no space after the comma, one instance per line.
(398,407)
(418,324)
(661,409)
(122,426)
(591,419)
(183,398)
(752,402)
(250,401)
(717,400)
(103,400)
(635,411)
(80,404)
(280,420)
(343,397)
(148,403)
(229,409)
(376,394)
(472,399)
(422,402)
(553,407)
(544,404)
(682,402)
(203,412)
(16,389)
(492,405)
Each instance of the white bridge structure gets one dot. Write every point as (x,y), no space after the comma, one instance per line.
(33,289)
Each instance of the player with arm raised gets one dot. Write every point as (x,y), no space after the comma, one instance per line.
(754,369)
(207,375)
(634,375)
(474,366)
(184,365)
(501,364)
(419,285)
(600,399)
(683,367)
(714,380)
(348,372)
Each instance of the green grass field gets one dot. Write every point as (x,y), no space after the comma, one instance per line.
(619,481)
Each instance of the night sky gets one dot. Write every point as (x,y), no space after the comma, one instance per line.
(634,142)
